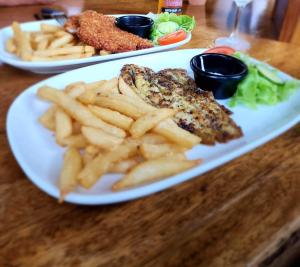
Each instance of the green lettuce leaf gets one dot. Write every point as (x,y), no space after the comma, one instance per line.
(257,89)
(184,22)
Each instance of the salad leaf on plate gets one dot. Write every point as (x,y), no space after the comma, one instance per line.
(261,85)
(166,23)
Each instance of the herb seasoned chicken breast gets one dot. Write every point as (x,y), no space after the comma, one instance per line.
(198,113)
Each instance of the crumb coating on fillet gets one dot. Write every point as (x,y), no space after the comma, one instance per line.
(100,31)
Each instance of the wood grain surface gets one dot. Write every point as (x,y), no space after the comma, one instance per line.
(245,213)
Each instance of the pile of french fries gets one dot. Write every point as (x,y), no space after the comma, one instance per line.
(107,128)
(50,43)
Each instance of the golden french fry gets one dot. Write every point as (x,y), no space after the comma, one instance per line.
(48,118)
(63,125)
(76,127)
(123,107)
(78,111)
(23,47)
(77,141)
(61,41)
(149,121)
(100,165)
(152,138)
(95,85)
(94,150)
(98,88)
(54,52)
(90,153)
(153,170)
(10,46)
(112,117)
(26,53)
(104,53)
(123,166)
(126,90)
(50,28)
(169,129)
(152,151)
(42,37)
(75,89)
(68,176)
(101,138)
(64,57)
(60,33)
(42,45)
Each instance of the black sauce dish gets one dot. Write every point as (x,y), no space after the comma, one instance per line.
(139,25)
(218,73)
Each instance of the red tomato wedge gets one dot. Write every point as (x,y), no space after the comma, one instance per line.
(172,38)
(226,50)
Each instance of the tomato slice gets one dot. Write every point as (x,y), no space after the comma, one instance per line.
(226,50)
(172,38)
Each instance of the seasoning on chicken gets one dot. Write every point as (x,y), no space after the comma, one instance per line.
(198,113)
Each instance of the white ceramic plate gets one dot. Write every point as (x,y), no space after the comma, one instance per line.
(65,65)
(41,158)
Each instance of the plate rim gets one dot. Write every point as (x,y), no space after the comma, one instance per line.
(145,190)
(16,62)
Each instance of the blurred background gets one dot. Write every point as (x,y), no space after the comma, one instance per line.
(272,19)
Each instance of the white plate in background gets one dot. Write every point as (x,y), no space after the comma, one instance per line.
(41,158)
(65,65)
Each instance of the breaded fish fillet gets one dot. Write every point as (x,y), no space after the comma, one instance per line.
(198,113)
(100,31)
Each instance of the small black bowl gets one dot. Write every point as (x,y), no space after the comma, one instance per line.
(218,73)
(138,25)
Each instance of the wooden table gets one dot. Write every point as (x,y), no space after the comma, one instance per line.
(245,213)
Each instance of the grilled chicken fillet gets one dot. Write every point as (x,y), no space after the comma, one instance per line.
(198,113)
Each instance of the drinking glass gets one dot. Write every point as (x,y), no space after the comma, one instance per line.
(234,40)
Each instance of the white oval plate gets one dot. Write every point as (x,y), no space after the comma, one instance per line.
(41,158)
(65,65)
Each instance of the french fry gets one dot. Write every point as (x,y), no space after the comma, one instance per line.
(90,153)
(41,45)
(153,170)
(61,41)
(63,57)
(75,89)
(63,125)
(104,53)
(123,166)
(169,129)
(18,36)
(48,118)
(152,151)
(71,168)
(78,111)
(100,165)
(101,138)
(112,117)
(95,85)
(10,46)
(98,88)
(60,33)
(76,127)
(152,138)
(76,141)
(126,90)
(123,107)
(50,28)
(149,121)
(65,51)
(42,37)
